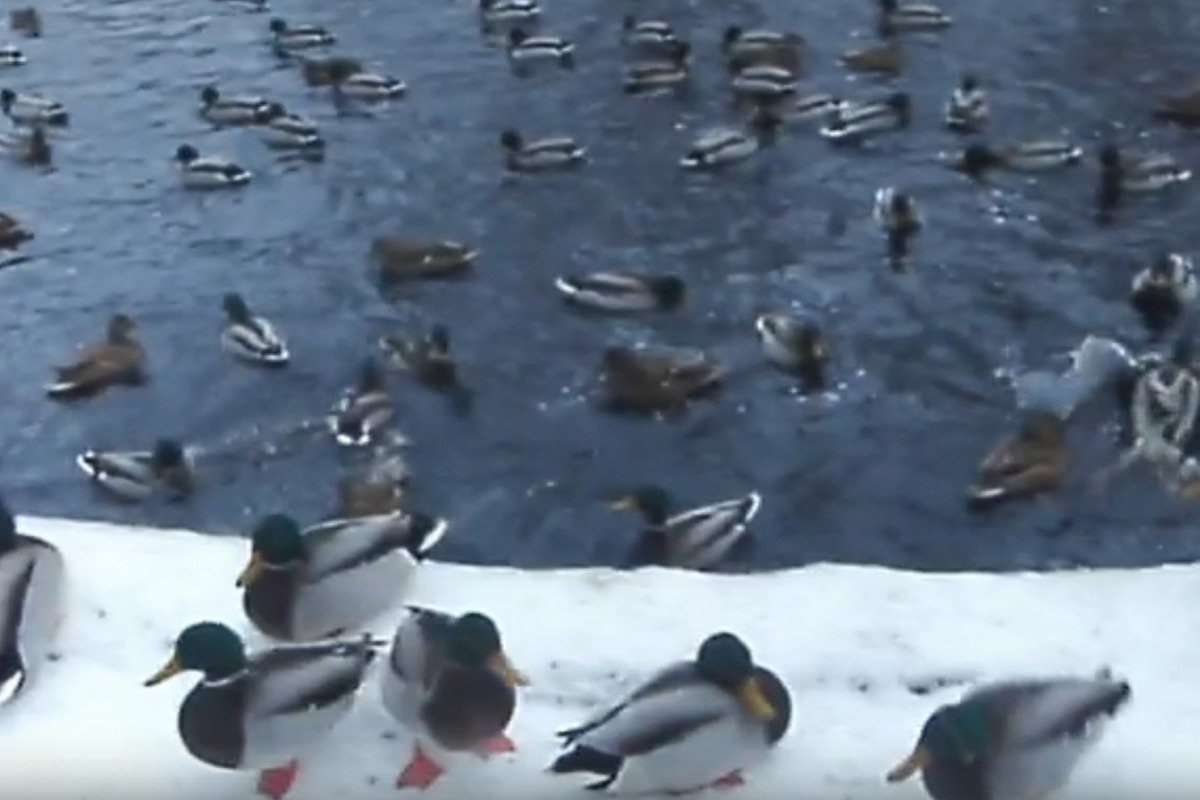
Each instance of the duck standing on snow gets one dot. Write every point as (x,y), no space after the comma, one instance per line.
(31,148)
(1033,461)
(286,40)
(119,359)
(209,172)
(232,110)
(795,347)
(334,576)
(897,216)
(525,50)
(855,122)
(449,681)
(540,155)
(1162,290)
(1121,175)
(694,725)
(1013,740)
(977,159)
(260,711)
(283,130)
(967,109)
(652,380)
(895,17)
(32,582)
(726,145)
(31,109)
(249,337)
(622,292)
(698,538)
(364,409)
(137,475)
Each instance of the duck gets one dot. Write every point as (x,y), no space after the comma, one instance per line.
(137,475)
(323,581)
(12,233)
(449,680)
(31,109)
(374,489)
(11,56)
(232,718)
(1160,292)
(648,379)
(369,87)
(245,110)
(402,259)
(524,50)
(363,409)
(1121,175)
(284,130)
(428,358)
(286,39)
(540,155)
(249,337)
(493,12)
(726,145)
(1183,109)
(794,346)
(977,159)
(967,109)
(251,5)
(210,172)
(33,586)
(896,214)
(119,359)
(1016,739)
(645,77)
(855,122)
(895,17)
(694,724)
(742,48)
(31,148)
(26,20)
(623,292)
(696,539)
(318,72)
(651,35)
(763,83)
(1033,461)
(1165,408)
(813,107)
(886,59)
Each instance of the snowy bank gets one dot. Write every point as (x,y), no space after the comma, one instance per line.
(867,653)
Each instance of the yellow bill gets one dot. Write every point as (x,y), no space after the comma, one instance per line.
(512,677)
(752,698)
(252,572)
(913,764)
(169,670)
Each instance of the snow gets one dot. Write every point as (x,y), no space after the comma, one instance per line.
(851,642)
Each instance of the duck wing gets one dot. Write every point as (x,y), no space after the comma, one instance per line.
(132,465)
(341,545)
(292,679)
(701,536)
(670,678)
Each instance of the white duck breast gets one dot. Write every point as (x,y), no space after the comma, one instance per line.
(702,537)
(10,56)
(32,579)
(214,173)
(609,291)
(258,341)
(779,339)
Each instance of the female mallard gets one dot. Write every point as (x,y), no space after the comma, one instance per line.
(897,216)
(334,576)
(249,337)
(620,292)
(11,56)
(260,711)
(693,725)
(794,346)
(1034,461)
(12,233)
(895,17)
(1121,175)
(743,49)
(32,582)
(449,680)
(318,72)
(286,39)
(721,146)
(138,475)
(26,20)
(651,35)
(369,87)
(698,538)
(763,83)
(669,72)
(403,259)
(284,130)
(119,359)
(855,122)
(1012,740)
(363,410)
(209,172)
(31,148)
(525,50)
(885,59)
(967,109)
(220,110)
(653,379)
(496,12)
(557,152)
(31,109)
(1162,290)
(977,159)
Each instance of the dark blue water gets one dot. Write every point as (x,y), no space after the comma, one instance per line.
(875,473)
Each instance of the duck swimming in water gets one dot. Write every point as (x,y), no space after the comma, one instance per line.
(168,469)
(1034,461)
(31,109)
(364,409)
(1160,292)
(622,292)
(652,380)
(287,39)
(1121,174)
(977,159)
(540,155)
(698,538)
(249,337)
(209,172)
(220,110)
(795,347)
(743,48)
(663,73)
(967,109)
(724,145)
(525,50)
(855,122)
(897,17)
(896,215)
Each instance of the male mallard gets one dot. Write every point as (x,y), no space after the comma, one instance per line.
(854,122)
(449,680)
(895,17)
(726,145)
(119,359)
(1012,740)
(1162,290)
(897,216)
(557,152)
(651,35)
(1034,461)
(651,380)
(1182,109)
(794,346)
(402,259)
(26,20)
(286,39)
(368,86)
(246,110)
(623,291)
(318,72)
(743,49)
(334,576)
(885,59)
(32,581)
(693,725)
(260,711)
(694,539)
(209,172)
(818,106)
(249,337)
(11,56)
(12,233)
(524,50)
(493,12)
(31,109)
(667,72)
(1120,175)
(363,409)
(31,148)
(763,83)
(284,130)
(967,109)
(137,475)
(976,159)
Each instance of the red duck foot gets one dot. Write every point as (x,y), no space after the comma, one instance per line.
(421,772)
(496,746)
(730,781)
(276,782)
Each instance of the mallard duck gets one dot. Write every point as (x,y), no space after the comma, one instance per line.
(794,346)
(967,109)
(12,233)
(251,5)
(11,56)
(363,410)
(693,725)
(244,110)
(1034,461)
(1161,291)
(763,83)
(977,159)
(743,48)
(249,337)
(654,35)
(493,12)
(653,379)
(210,172)
(32,583)
(318,72)
(644,77)
(369,87)
(138,475)
(1121,175)
(403,259)
(26,20)
(284,130)
(557,152)
(623,291)
(334,576)
(698,538)
(855,122)
(1181,109)
(1164,410)
(897,216)
(449,680)
(818,106)
(119,359)
(377,488)
(428,358)
(286,39)
(260,711)
(721,146)
(31,148)
(524,50)
(895,17)
(885,59)
(31,109)
(1013,740)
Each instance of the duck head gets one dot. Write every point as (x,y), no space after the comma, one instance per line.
(955,733)
(8,528)
(517,37)
(370,377)
(277,26)
(725,661)
(7,98)
(669,289)
(731,36)
(652,502)
(475,643)
(185,154)
(968,83)
(207,647)
(628,23)
(976,159)
(120,328)
(209,95)
(439,340)
(274,111)
(275,543)
(168,456)
(511,141)
(901,104)
(236,309)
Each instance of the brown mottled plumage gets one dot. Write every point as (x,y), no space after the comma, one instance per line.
(119,359)
(403,259)
(1031,462)
(652,380)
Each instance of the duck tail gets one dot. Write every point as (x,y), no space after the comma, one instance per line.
(587,759)
(425,533)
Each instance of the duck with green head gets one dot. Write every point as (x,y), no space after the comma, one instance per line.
(168,469)
(449,681)
(262,711)
(698,538)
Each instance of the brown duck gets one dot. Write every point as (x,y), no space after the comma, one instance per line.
(26,20)
(119,359)
(1182,109)
(885,59)
(1031,462)
(646,380)
(12,233)
(405,259)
